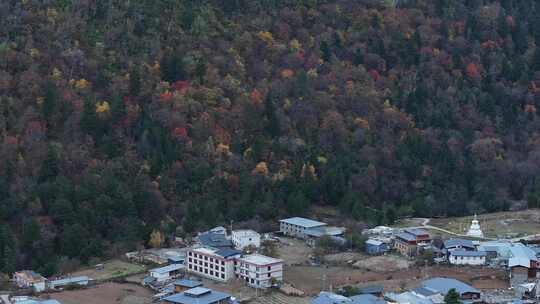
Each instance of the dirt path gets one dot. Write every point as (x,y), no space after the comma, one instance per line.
(425,222)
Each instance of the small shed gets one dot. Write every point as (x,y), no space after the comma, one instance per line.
(375,247)
(185,284)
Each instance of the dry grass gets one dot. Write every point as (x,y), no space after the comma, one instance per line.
(501,224)
(108,293)
(112,269)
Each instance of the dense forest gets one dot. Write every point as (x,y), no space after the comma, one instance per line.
(122,120)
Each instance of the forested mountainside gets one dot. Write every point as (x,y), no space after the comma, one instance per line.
(119,118)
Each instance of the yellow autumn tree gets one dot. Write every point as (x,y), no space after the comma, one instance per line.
(261,168)
(103,107)
(82,84)
(295,45)
(267,37)
(156,239)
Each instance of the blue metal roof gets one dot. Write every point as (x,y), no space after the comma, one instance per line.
(303,222)
(197,295)
(188,283)
(443,285)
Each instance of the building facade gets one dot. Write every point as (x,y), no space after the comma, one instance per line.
(212,263)
(297,226)
(30,279)
(407,243)
(166,273)
(198,295)
(245,238)
(462,257)
(374,247)
(259,271)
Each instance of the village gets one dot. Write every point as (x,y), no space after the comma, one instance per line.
(409,264)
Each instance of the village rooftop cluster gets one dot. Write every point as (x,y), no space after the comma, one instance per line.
(222,257)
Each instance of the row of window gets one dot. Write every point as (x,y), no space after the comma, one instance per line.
(246,273)
(205,264)
(206,271)
(206,258)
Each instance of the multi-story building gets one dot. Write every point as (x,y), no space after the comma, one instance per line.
(408,242)
(245,238)
(212,263)
(259,271)
(297,226)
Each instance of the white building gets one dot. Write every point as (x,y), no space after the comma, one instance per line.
(297,226)
(259,271)
(462,257)
(166,273)
(30,279)
(244,238)
(59,283)
(475,230)
(212,263)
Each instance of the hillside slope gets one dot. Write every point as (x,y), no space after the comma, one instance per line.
(119,118)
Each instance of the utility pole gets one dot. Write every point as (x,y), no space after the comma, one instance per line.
(231,222)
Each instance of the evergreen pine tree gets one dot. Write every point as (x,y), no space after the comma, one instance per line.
(325,51)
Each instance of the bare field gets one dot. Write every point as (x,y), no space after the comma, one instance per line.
(108,293)
(500,224)
(392,273)
(293,251)
(112,269)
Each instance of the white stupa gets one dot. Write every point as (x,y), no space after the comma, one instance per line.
(475,230)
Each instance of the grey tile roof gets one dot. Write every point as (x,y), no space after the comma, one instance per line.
(406,236)
(374,242)
(197,295)
(465,253)
(303,222)
(215,240)
(443,285)
(371,289)
(417,231)
(188,283)
(424,291)
(168,268)
(68,281)
(366,299)
(227,252)
(451,243)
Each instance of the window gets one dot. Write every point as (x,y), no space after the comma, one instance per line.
(222,269)
(268,275)
(223,276)
(269,268)
(222,262)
